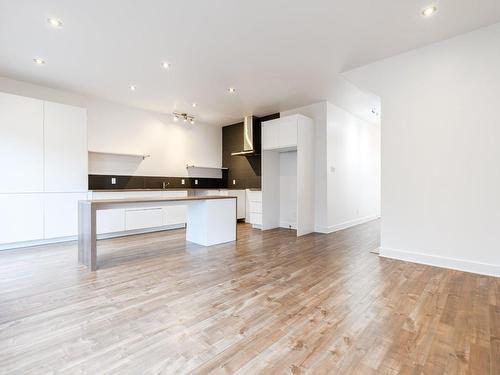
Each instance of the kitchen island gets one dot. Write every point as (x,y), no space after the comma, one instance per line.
(211,220)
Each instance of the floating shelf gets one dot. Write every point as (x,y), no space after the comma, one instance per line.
(189,166)
(143,156)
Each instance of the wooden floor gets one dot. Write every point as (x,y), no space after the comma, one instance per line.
(270,303)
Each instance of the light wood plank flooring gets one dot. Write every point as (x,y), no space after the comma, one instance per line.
(270,304)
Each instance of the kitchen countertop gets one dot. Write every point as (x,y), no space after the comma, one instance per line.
(105,202)
(167,189)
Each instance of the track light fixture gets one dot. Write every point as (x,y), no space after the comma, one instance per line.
(184,116)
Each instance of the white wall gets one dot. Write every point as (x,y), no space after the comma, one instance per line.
(353,176)
(440,151)
(118,128)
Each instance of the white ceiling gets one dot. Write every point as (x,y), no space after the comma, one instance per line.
(278,54)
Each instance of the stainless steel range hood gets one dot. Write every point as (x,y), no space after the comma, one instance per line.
(251,137)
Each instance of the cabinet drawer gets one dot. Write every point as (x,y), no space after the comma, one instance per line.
(255,207)
(110,221)
(254,196)
(255,218)
(143,218)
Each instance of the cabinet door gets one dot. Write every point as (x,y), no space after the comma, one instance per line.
(61,214)
(66,155)
(288,132)
(21,144)
(270,135)
(110,221)
(21,217)
(175,215)
(143,218)
(240,202)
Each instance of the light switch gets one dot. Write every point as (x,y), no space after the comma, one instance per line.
(113,180)
(234,182)
(196,182)
(183,181)
(332,169)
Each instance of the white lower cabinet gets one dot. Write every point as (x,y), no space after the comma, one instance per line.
(255,218)
(121,220)
(254,208)
(21,217)
(175,215)
(143,218)
(110,221)
(61,214)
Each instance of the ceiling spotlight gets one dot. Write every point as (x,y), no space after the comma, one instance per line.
(132,87)
(38,61)
(193,105)
(166,65)
(54,22)
(429,11)
(231,90)
(184,116)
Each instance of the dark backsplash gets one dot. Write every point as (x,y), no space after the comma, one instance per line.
(103,182)
(244,170)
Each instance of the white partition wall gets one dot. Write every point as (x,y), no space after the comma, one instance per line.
(288,174)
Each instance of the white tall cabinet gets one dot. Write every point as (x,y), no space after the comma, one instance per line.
(21,144)
(65,148)
(288,174)
(43,156)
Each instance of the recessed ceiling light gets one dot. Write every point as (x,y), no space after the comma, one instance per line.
(166,65)
(429,11)
(193,105)
(232,90)
(132,87)
(54,22)
(38,61)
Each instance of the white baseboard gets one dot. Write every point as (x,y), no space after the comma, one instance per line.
(288,225)
(17,245)
(444,262)
(345,225)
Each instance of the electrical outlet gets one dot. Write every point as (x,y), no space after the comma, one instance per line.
(113,180)
(234,182)
(196,182)
(183,181)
